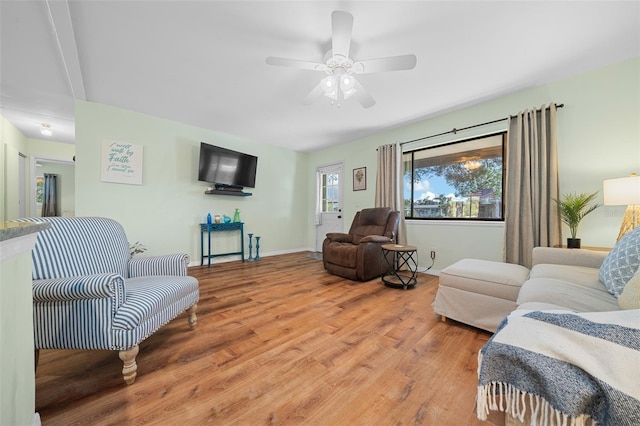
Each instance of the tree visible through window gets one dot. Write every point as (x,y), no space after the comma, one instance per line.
(461,180)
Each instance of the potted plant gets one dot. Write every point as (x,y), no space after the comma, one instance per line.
(573,208)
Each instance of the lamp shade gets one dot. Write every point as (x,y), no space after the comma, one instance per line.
(622,191)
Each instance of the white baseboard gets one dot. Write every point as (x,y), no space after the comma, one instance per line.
(233,258)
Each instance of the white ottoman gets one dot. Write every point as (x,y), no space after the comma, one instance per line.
(479,292)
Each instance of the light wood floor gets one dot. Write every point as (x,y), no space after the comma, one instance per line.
(280,341)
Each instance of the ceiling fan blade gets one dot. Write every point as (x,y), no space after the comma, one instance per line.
(305,65)
(363,96)
(314,94)
(341,27)
(392,63)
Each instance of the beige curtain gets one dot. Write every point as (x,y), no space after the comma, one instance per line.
(532,217)
(388,184)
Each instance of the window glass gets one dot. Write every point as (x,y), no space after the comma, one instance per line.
(460,180)
(330,192)
(39,189)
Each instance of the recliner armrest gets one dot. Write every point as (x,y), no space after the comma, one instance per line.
(339,237)
(564,256)
(376,239)
(171,264)
(99,286)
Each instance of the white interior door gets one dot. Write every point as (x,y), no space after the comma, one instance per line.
(329,199)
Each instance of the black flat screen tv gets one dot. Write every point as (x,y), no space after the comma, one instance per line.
(226,168)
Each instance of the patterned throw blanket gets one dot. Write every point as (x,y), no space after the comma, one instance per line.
(560,368)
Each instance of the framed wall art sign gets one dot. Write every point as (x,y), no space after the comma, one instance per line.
(121,162)
(360,179)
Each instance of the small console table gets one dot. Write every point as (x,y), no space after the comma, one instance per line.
(208,228)
(402,265)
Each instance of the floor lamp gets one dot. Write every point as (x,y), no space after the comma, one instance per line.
(624,192)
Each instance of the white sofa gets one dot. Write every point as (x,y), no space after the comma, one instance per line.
(566,279)
(481,293)
(563,356)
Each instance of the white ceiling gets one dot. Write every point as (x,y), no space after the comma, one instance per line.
(203,62)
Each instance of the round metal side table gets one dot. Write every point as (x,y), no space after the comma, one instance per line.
(401,265)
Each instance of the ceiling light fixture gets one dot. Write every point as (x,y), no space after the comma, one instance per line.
(338,85)
(45,129)
(347,85)
(329,87)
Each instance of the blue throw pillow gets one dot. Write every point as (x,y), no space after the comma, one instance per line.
(621,263)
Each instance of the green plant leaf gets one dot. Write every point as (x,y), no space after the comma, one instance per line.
(574,207)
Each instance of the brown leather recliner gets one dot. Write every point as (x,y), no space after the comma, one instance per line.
(358,254)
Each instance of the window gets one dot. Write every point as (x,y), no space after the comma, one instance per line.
(330,190)
(461,180)
(39,190)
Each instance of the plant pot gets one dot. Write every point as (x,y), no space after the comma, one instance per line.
(573,243)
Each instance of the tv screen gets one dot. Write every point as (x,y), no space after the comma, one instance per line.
(226,167)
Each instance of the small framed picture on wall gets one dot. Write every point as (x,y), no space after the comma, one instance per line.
(360,179)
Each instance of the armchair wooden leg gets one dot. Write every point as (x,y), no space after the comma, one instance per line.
(193,319)
(128,357)
(443,318)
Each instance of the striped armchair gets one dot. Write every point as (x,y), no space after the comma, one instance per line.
(88,293)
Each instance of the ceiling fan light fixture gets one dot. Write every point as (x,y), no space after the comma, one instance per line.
(329,87)
(348,85)
(347,82)
(328,84)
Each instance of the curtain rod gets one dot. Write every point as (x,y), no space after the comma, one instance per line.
(454,130)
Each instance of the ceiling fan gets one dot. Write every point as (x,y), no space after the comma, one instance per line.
(340,82)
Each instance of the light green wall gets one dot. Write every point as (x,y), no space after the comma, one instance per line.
(51,150)
(17,377)
(598,137)
(164,212)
